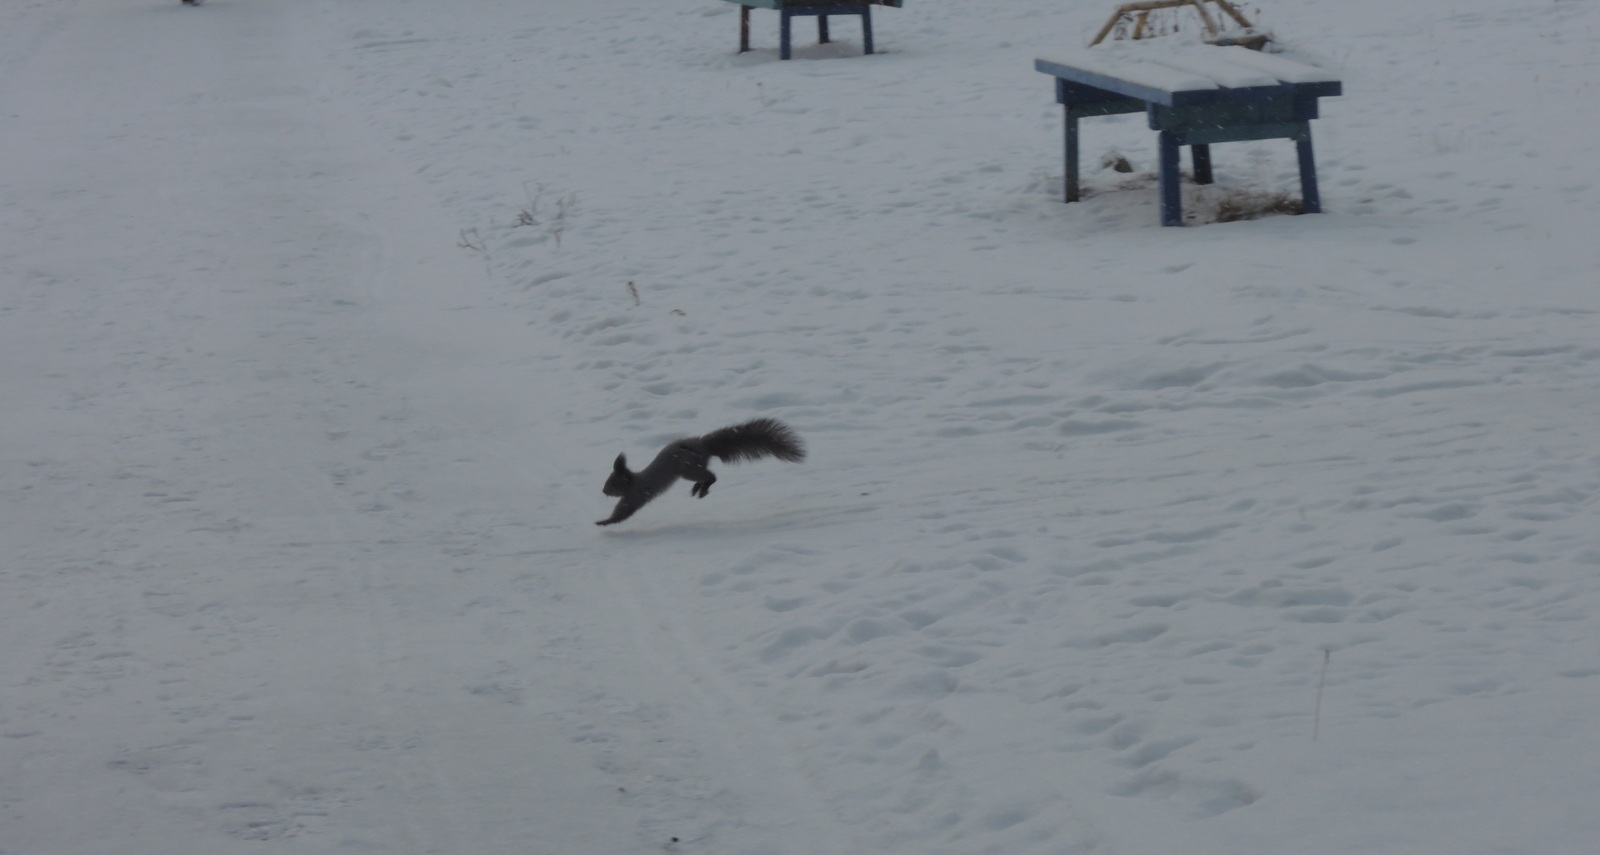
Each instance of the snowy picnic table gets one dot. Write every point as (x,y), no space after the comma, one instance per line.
(819,9)
(1194,95)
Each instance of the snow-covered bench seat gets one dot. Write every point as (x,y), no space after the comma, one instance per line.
(819,9)
(1194,95)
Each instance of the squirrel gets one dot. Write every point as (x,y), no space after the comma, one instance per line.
(688,458)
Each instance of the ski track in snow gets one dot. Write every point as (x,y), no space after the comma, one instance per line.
(324,321)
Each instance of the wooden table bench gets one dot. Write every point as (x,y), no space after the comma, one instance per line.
(1195,96)
(819,9)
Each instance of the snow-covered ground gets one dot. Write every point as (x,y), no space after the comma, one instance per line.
(322,321)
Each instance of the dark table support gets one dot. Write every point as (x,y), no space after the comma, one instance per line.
(1310,199)
(1171,191)
(1202,163)
(1071,191)
(821,13)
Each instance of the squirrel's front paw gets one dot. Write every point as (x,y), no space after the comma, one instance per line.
(602,522)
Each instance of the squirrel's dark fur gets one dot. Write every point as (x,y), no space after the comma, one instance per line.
(688,458)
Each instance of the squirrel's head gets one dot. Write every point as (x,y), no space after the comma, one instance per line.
(621,479)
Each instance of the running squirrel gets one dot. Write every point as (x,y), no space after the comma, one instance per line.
(688,458)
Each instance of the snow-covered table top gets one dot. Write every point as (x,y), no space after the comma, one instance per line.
(1191,74)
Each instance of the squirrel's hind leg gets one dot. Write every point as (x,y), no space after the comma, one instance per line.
(698,472)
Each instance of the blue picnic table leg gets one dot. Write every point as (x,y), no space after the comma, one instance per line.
(1071,191)
(866,28)
(1311,201)
(783,34)
(1171,192)
(744,29)
(1202,163)
(822,30)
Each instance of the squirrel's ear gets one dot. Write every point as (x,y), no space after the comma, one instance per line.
(621,465)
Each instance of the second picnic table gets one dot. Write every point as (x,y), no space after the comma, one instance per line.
(819,9)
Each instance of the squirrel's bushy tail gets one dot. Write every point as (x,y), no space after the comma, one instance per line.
(754,440)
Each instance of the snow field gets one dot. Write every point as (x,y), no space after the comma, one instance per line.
(328,319)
